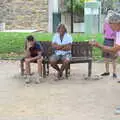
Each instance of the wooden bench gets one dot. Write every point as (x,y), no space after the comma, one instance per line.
(81,53)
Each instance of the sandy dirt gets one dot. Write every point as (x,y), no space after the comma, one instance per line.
(72,99)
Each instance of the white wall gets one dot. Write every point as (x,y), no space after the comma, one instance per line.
(66,19)
(79,27)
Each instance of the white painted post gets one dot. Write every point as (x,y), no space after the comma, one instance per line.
(52,8)
(55,6)
(50,18)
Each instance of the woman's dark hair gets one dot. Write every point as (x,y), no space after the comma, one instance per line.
(63,26)
(30,38)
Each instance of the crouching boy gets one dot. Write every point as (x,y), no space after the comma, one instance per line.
(33,54)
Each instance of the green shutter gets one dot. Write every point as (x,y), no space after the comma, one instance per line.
(56,20)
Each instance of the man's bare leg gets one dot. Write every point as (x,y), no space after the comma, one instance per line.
(39,62)
(27,67)
(39,74)
(64,66)
(28,71)
(55,66)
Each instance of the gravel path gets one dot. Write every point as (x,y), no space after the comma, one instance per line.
(72,99)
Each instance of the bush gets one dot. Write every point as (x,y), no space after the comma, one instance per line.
(12,42)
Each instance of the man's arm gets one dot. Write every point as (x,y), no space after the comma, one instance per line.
(37,57)
(27,53)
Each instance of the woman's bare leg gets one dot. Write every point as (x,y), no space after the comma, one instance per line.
(114,65)
(114,68)
(106,65)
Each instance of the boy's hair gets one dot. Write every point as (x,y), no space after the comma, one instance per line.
(30,38)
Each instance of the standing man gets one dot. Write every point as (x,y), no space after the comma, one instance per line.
(61,43)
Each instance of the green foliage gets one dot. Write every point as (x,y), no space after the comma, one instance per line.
(12,44)
(78,6)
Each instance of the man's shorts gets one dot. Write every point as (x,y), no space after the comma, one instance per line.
(55,57)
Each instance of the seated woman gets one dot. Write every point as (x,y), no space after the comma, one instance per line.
(33,54)
(114,21)
(61,43)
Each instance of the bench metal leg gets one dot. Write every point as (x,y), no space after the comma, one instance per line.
(44,70)
(67,71)
(22,66)
(47,69)
(89,68)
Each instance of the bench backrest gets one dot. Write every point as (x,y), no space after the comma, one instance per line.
(47,47)
(81,49)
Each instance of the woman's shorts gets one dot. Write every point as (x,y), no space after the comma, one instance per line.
(109,43)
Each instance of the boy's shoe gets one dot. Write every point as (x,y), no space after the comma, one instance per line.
(38,79)
(27,81)
(114,75)
(59,75)
(105,74)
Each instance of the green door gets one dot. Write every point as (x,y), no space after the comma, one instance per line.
(56,20)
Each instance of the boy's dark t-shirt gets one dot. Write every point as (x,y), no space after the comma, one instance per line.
(34,50)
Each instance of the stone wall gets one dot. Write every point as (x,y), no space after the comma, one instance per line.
(24,14)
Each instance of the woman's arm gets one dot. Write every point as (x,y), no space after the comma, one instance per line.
(114,49)
(62,47)
(67,47)
(56,46)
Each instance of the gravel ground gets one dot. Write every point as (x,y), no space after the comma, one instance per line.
(74,98)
